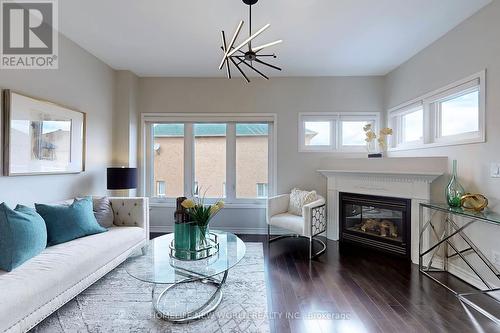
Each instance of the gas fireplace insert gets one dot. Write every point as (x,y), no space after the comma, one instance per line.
(382,223)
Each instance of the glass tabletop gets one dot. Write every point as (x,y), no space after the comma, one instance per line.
(486,215)
(156,265)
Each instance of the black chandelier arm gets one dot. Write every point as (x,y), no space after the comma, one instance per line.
(267,64)
(250,26)
(239,69)
(255,69)
(231,56)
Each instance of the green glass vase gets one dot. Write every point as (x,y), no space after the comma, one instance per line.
(454,191)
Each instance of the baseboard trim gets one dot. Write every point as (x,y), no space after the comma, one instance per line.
(245,231)
(464,274)
(234,230)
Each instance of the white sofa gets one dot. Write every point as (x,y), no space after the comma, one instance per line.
(46,282)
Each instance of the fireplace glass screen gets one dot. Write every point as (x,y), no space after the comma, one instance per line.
(375,221)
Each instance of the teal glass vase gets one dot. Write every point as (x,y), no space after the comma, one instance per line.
(454,191)
(183,233)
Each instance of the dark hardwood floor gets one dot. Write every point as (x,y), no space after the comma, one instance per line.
(359,291)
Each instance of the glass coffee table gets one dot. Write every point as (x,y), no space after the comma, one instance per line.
(185,290)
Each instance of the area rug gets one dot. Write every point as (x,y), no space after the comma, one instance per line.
(120,303)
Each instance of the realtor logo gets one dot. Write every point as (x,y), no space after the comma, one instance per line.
(29,37)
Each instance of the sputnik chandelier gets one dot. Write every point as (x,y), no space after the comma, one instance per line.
(244,53)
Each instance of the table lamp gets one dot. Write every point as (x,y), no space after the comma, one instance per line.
(122,178)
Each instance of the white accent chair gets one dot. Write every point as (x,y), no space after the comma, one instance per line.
(309,225)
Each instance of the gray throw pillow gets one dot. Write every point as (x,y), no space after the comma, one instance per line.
(103,211)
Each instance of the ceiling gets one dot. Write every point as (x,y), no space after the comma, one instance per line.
(320,37)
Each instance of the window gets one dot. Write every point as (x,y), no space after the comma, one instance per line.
(317,133)
(210,159)
(223,158)
(408,126)
(261,190)
(168,156)
(412,126)
(353,133)
(452,115)
(160,189)
(252,154)
(459,115)
(331,132)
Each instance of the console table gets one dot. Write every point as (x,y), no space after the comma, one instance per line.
(442,241)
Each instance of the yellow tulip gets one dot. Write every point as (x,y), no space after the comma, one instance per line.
(214,209)
(188,203)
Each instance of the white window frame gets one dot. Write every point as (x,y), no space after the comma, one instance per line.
(432,117)
(310,117)
(374,119)
(147,168)
(335,119)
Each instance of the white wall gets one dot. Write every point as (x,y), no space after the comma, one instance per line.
(84,83)
(125,130)
(284,96)
(469,48)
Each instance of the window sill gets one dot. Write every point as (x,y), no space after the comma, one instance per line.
(226,205)
(337,152)
(437,144)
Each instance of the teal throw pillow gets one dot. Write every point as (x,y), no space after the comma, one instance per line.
(68,222)
(22,235)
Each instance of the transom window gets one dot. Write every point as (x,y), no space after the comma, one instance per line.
(407,125)
(334,132)
(459,114)
(230,160)
(454,114)
(318,133)
(412,128)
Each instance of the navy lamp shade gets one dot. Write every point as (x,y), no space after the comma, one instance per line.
(122,178)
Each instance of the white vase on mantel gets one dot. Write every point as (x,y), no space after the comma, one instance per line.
(373,149)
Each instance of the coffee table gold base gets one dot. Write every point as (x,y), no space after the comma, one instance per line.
(205,309)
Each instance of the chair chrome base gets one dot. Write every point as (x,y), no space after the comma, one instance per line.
(311,239)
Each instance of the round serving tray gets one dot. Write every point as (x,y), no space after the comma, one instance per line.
(198,254)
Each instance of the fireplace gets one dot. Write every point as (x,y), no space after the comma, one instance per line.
(382,223)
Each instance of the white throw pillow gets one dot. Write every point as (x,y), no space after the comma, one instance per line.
(298,199)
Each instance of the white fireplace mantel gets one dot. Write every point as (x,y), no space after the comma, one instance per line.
(400,178)
(426,177)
